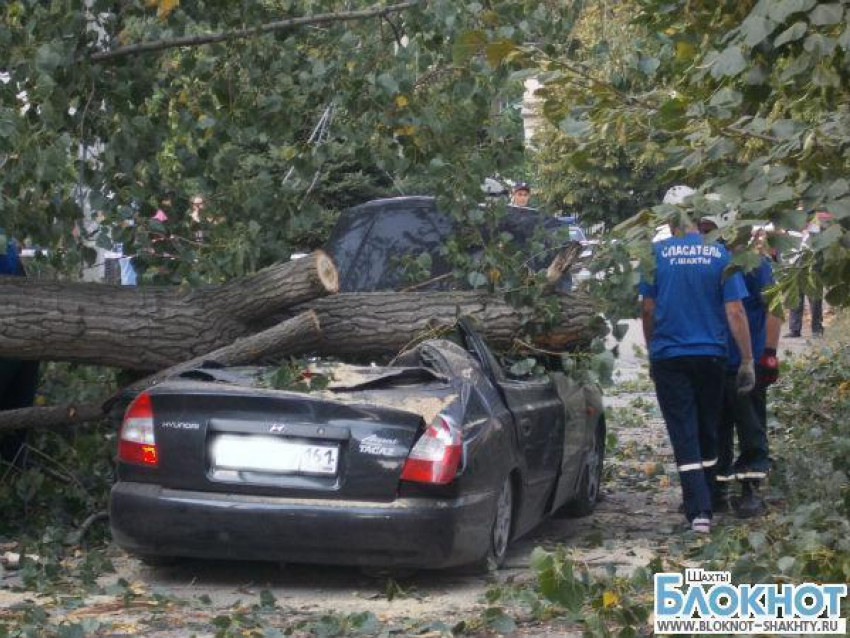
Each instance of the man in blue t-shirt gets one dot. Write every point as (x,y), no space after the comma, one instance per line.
(747,414)
(685,311)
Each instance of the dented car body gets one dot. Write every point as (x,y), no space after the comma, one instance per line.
(436,460)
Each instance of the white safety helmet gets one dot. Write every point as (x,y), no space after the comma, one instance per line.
(720,220)
(678,194)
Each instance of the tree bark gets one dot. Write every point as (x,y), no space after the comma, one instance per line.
(263,294)
(50,417)
(386,322)
(293,336)
(149,328)
(299,334)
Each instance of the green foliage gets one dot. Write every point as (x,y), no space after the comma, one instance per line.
(295,376)
(603,604)
(281,130)
(747,100)
(595,366)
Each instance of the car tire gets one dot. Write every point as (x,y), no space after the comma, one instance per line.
(501,528)
(590,484)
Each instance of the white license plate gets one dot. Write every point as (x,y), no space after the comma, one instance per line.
(272,454)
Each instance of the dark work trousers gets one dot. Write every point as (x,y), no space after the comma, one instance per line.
(795,316)
(746,415)
(690,394)
(18,384)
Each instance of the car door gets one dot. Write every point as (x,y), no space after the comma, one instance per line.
(538,417)
(575,436)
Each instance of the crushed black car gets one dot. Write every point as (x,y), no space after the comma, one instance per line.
(438,458)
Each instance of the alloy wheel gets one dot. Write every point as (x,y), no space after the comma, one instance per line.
(504,519)
(594,467)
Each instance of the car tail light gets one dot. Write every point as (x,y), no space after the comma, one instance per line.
(137,443)
(436,455)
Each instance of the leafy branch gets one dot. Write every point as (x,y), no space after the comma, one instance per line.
(279,25)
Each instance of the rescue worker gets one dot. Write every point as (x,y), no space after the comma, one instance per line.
(684,312)
(746,414)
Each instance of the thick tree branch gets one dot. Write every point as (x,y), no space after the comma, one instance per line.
(210,38)
(293,336)
(50,417)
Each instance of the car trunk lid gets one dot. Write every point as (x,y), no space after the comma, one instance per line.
(350,440)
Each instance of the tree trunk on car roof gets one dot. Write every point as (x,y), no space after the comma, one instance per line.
(387,322)
(299,334)
(150,327)
(294,335)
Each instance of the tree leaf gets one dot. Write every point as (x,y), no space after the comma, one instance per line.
(832,235)
(755,29)
(476,279)
(784,129)
(838,188)
(792,33)
(47,58)
(388,83)
(781,9)
(165,8)
(757,539)
(826,14)
(497,620)
(727,98)
(798,65)
(785,563)
(609,598)
(729,63)
(497,51)
(467,45)
(649,65)
(844,40)
(575,128)
(840,208)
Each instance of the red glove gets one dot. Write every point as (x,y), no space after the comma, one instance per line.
(768,368)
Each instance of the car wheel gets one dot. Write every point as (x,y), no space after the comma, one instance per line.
(590,484)
(500,531)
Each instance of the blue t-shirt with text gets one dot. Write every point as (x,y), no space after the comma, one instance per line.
(756,281)
(690,293)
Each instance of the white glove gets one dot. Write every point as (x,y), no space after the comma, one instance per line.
(746,379)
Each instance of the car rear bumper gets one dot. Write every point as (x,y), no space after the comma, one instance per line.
(408,532)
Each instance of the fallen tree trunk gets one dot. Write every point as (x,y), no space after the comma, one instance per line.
(386,322)
(359,324)
(50,417)
(149,328)
(293,336)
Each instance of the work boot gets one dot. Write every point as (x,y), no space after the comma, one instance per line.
(750,504)
(720,497)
